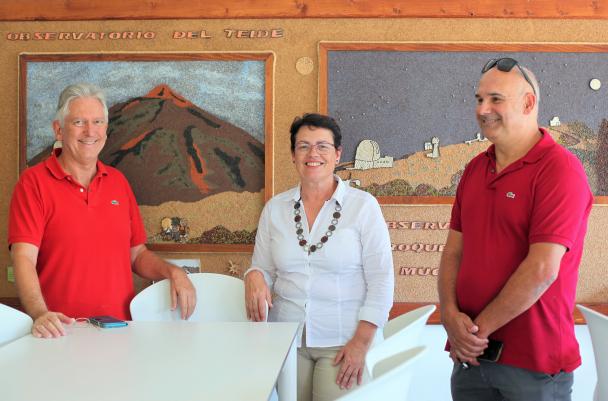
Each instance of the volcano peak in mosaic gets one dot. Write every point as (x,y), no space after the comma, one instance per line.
(170,149)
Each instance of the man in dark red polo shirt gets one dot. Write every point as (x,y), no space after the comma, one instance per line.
(510,265)
(75,232)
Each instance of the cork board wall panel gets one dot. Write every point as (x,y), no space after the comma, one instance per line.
(295,44)
(419,232)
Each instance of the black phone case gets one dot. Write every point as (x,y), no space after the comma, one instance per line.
(107,322)
(492,352)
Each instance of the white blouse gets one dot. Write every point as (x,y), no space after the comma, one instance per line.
(349,279)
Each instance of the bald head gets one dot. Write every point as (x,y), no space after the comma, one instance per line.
(511,66)
(512,85)
(507,107)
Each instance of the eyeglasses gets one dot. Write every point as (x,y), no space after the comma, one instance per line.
(322,148)
(506,64)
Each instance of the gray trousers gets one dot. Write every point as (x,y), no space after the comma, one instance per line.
(496,382)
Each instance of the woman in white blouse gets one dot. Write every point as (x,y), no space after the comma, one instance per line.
(323,250)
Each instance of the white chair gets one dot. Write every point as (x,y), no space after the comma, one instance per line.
(218,298)
(391,378)
(400,334)
(598,329)
(13,324)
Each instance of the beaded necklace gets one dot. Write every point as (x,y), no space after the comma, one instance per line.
(300,231)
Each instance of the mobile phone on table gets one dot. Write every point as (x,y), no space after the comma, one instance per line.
(107,321)
(492,352)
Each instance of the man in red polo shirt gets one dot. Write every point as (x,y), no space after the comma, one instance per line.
(510,265)
(75,232)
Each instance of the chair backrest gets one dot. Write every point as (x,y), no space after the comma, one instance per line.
(13,324)
(391,378)
(413,319)
(598,329)
(218,298)
(400,334)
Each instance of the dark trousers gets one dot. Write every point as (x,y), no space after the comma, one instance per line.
(496,382)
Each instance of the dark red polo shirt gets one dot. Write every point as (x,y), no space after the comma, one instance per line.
(84,237)
(543,197)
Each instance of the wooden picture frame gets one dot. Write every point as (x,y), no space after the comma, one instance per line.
(260,63)
(332,75)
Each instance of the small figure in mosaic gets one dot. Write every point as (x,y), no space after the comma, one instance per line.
(174,229)
(433,146)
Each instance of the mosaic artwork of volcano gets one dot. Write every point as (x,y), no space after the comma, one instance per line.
(169,149)
(175,155)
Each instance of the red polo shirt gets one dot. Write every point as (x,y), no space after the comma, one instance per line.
(543,197)
(84,237)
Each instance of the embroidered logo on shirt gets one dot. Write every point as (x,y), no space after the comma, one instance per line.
(511,195)
(115,202)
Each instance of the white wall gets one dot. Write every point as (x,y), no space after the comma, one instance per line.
(431,381)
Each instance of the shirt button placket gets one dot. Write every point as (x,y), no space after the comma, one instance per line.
(85,194)
(308,270)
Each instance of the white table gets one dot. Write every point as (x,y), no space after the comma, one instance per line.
(165,361)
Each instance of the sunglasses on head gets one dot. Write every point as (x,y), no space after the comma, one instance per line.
(506,64)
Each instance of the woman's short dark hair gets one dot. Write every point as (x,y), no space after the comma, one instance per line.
(315,120)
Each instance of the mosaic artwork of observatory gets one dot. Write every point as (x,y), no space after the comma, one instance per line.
(410,126)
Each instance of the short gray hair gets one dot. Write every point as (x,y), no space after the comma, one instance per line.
(77,91)
(533,81)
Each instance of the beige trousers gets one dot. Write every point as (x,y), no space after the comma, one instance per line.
(317,374)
